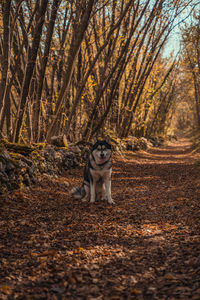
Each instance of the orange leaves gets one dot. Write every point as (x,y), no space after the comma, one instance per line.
(135,292)
(139,232)
(44,257)
(6,289)
(106,253)
(58,248)
(48,253)
(78,250)
(179,199)
(92,252)
(43,254)
(153,229)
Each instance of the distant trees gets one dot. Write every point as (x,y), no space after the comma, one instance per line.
(191,58)
(82,67)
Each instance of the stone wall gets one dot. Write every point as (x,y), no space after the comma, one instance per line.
(22,165)
(23,169)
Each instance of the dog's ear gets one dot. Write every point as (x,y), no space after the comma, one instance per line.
(107,139)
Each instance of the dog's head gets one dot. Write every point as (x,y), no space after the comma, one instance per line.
(102,150)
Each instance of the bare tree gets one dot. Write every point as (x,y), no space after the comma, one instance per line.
(191,53)
(31,60)
(79,31)
(45,56)
(5,49)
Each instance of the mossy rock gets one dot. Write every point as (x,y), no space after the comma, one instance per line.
(36,156)
(19,148)
(3,188)
(39,146)
(83,144)
(59,141)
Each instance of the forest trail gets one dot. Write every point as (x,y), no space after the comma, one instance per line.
(146,246)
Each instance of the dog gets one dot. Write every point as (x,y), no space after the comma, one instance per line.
(97,174)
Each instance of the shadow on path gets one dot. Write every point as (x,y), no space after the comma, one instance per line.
(146,246)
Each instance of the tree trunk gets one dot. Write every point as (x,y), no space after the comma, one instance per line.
(37,110)
(32,55)
(73,52)
(91,68)
(6,5)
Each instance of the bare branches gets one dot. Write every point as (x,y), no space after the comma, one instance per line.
(82,67)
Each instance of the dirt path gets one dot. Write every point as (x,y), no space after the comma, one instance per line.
(147,246)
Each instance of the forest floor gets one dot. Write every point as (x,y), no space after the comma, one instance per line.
(146,246)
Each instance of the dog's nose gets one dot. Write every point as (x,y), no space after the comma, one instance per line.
(102,155)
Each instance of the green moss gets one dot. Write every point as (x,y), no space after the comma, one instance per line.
(3,188)
(39,146)
(35,155)
(15,155)
(4,141)
(61,148)
(115,140)
(19,148)
(21,185)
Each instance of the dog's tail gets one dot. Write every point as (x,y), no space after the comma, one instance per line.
(78,192)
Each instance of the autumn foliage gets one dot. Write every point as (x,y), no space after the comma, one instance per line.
(84,67)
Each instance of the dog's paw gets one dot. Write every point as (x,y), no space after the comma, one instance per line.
(92,200)
(111,201)
(85,199)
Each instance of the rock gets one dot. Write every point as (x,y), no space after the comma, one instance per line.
(26,180)
(143,143)
(156,141)
(17,148)
(4,155)
(18,170)
(3,177)
(75,149)
(132,144)
(59,141)
(2,167)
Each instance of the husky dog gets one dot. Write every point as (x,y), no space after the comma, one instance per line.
(97,174)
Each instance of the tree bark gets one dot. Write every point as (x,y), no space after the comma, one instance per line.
(80,91)
(32,55)
(6,5)
(73,52)
(37,108)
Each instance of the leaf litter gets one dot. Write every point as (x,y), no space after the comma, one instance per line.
(146,246)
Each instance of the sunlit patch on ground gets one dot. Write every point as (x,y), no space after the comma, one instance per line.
(146,246)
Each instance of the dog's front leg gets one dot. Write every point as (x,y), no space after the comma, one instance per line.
(92,191)
(108,191)
(103,192)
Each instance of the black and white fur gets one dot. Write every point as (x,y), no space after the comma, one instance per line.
(97,174)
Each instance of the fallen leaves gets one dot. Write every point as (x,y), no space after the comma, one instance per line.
(78,250)
(135,292)
(146,246)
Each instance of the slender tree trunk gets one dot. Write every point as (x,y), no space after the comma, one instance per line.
(197,97)
(80,91)
(32,55)
(37,107)
(73,52)
(6,6)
